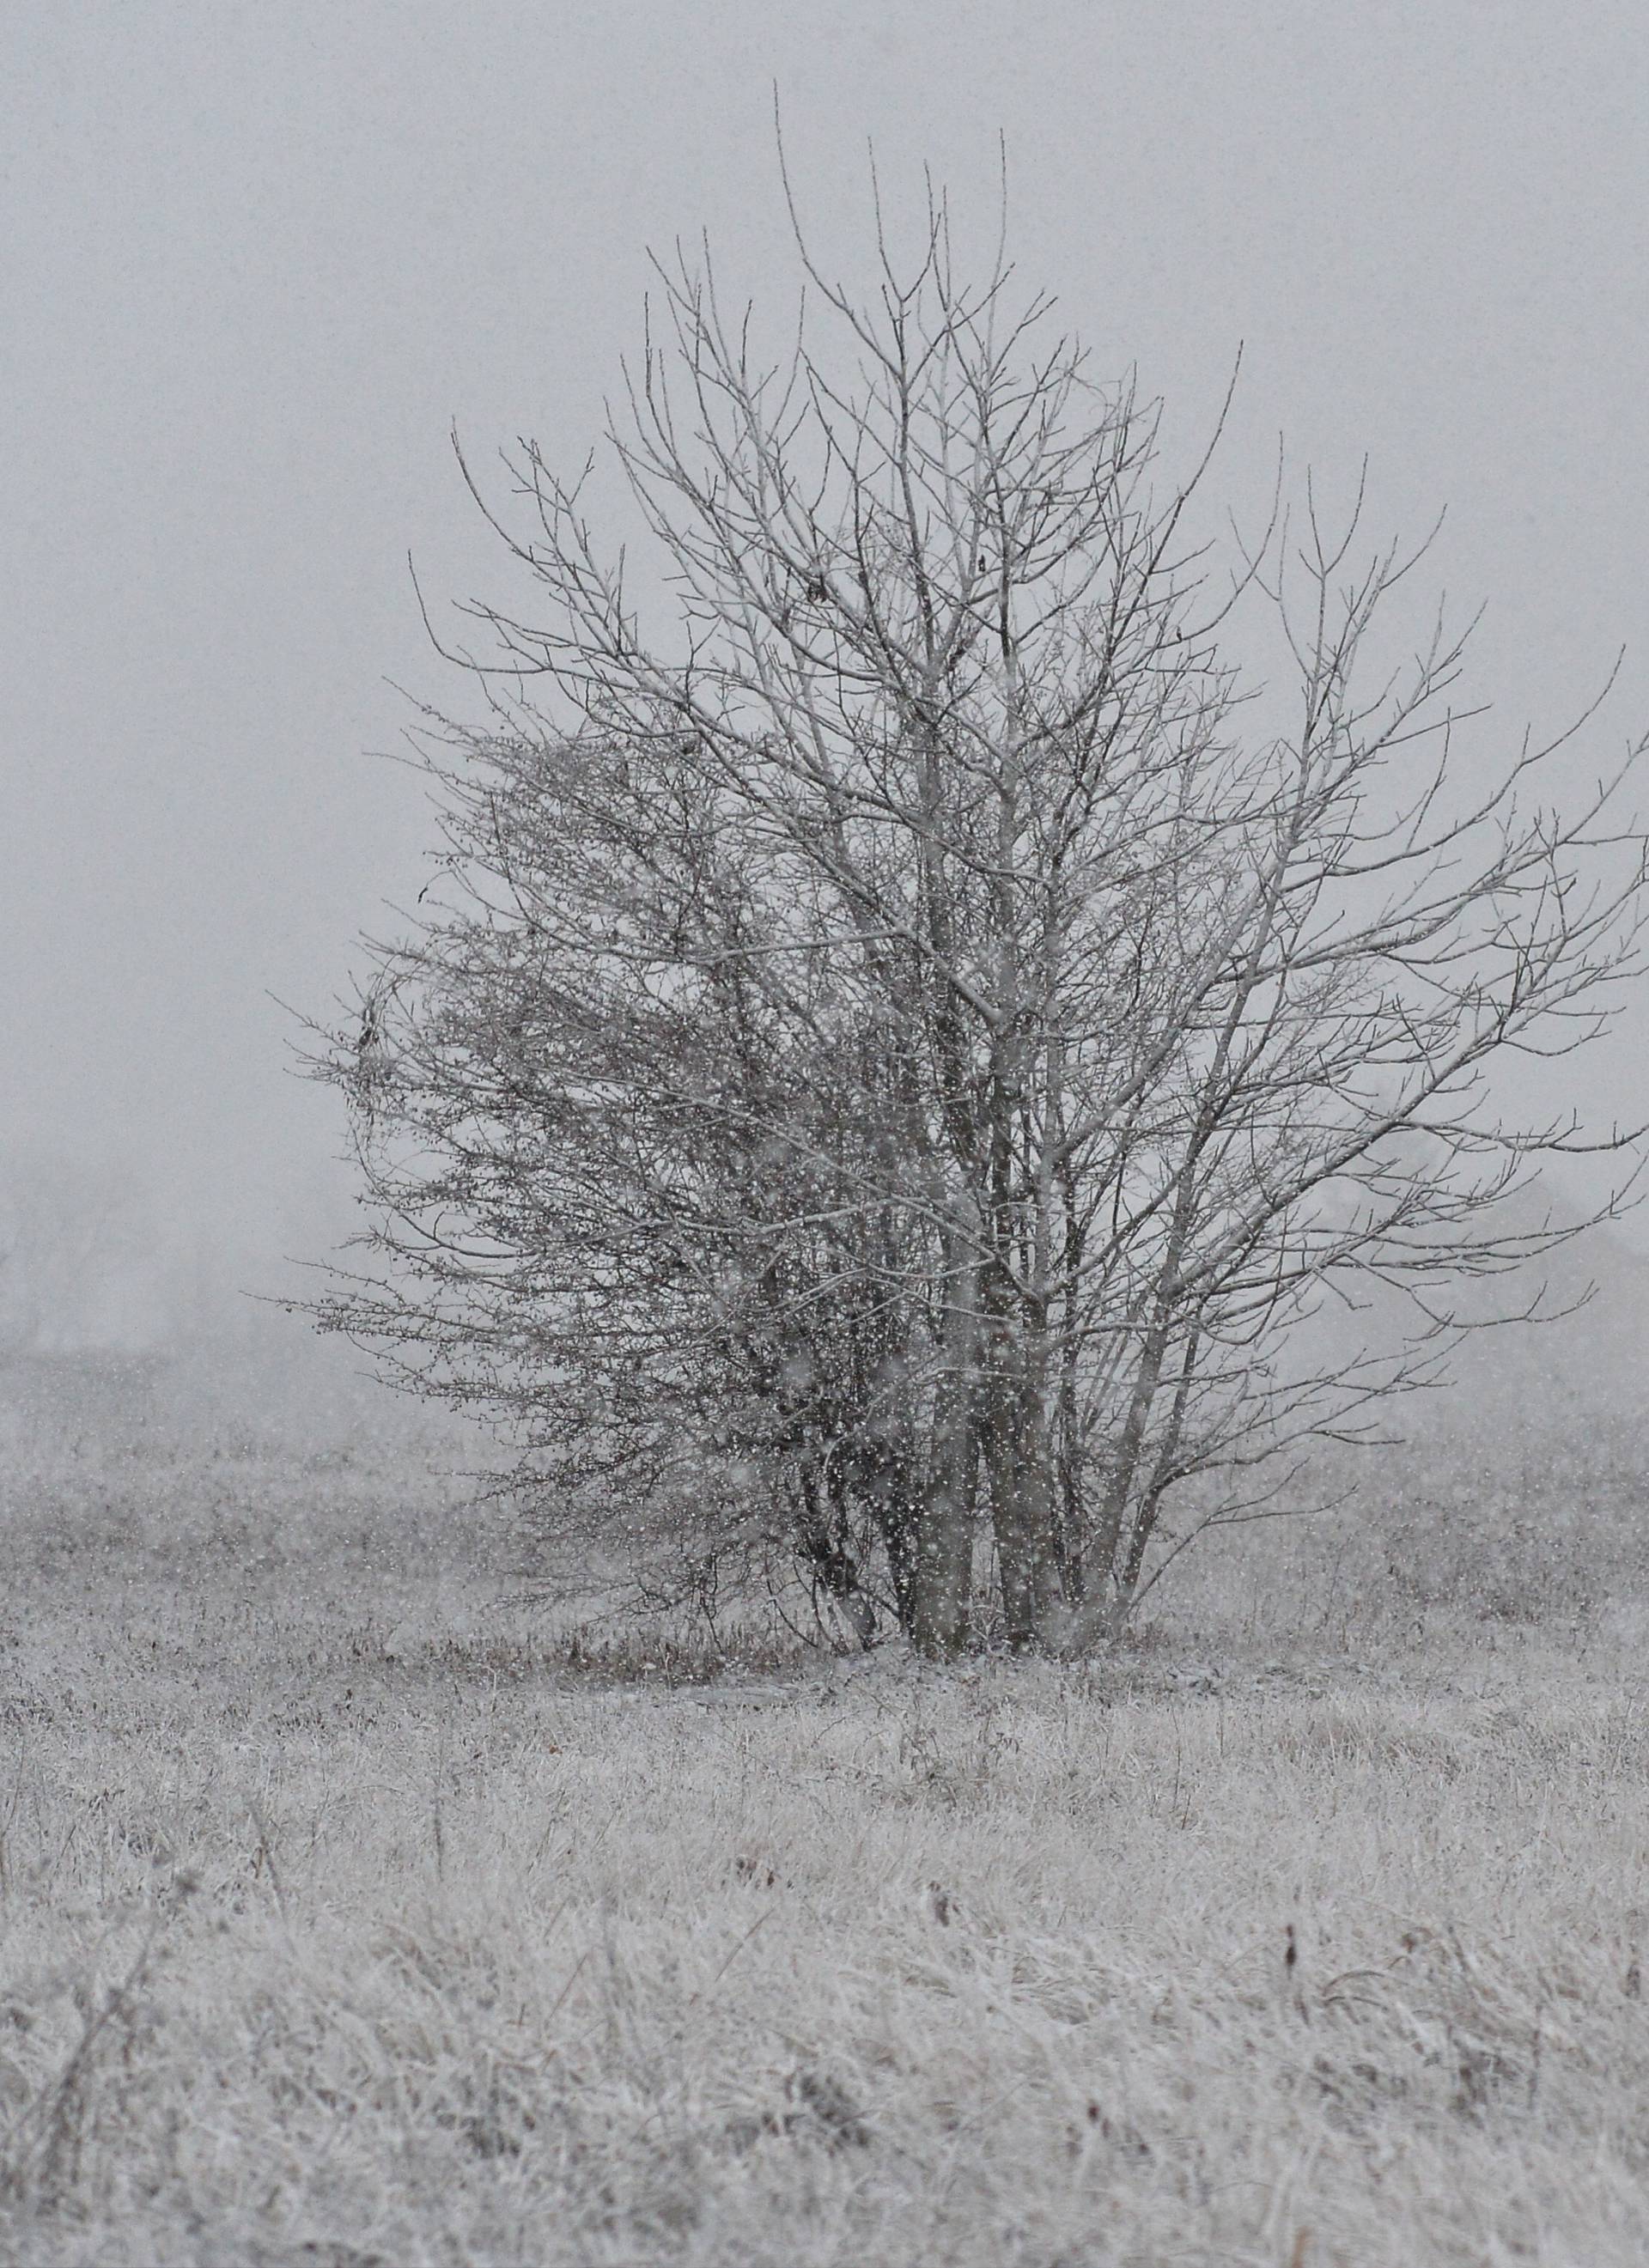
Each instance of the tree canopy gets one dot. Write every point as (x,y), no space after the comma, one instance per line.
(898,1054)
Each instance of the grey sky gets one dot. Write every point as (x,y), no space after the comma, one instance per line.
(257,259)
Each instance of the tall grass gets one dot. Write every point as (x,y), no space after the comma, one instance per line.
(349,1916)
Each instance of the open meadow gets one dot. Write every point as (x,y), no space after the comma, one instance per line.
(353,1912)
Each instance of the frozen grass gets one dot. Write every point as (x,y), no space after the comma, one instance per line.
(345,1918)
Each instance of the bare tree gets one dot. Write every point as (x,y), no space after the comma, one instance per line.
(909,1047)
(1330,1123)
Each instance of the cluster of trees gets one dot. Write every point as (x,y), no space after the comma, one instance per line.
(894,1065)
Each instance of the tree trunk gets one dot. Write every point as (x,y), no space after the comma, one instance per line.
(826,1557)
(886,1482)
(1022,1513)
(942,1574)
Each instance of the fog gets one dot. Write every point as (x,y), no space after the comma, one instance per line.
(257,262)
(638,1837)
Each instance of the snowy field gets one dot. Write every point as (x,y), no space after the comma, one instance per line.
(350,1916)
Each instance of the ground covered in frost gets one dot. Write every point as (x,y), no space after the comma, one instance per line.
(349,1918)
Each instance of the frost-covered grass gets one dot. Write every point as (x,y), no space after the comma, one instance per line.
(347,1917)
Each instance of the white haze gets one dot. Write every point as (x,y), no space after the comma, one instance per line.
(257,262)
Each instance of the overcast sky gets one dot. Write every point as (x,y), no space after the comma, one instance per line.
(258,256)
